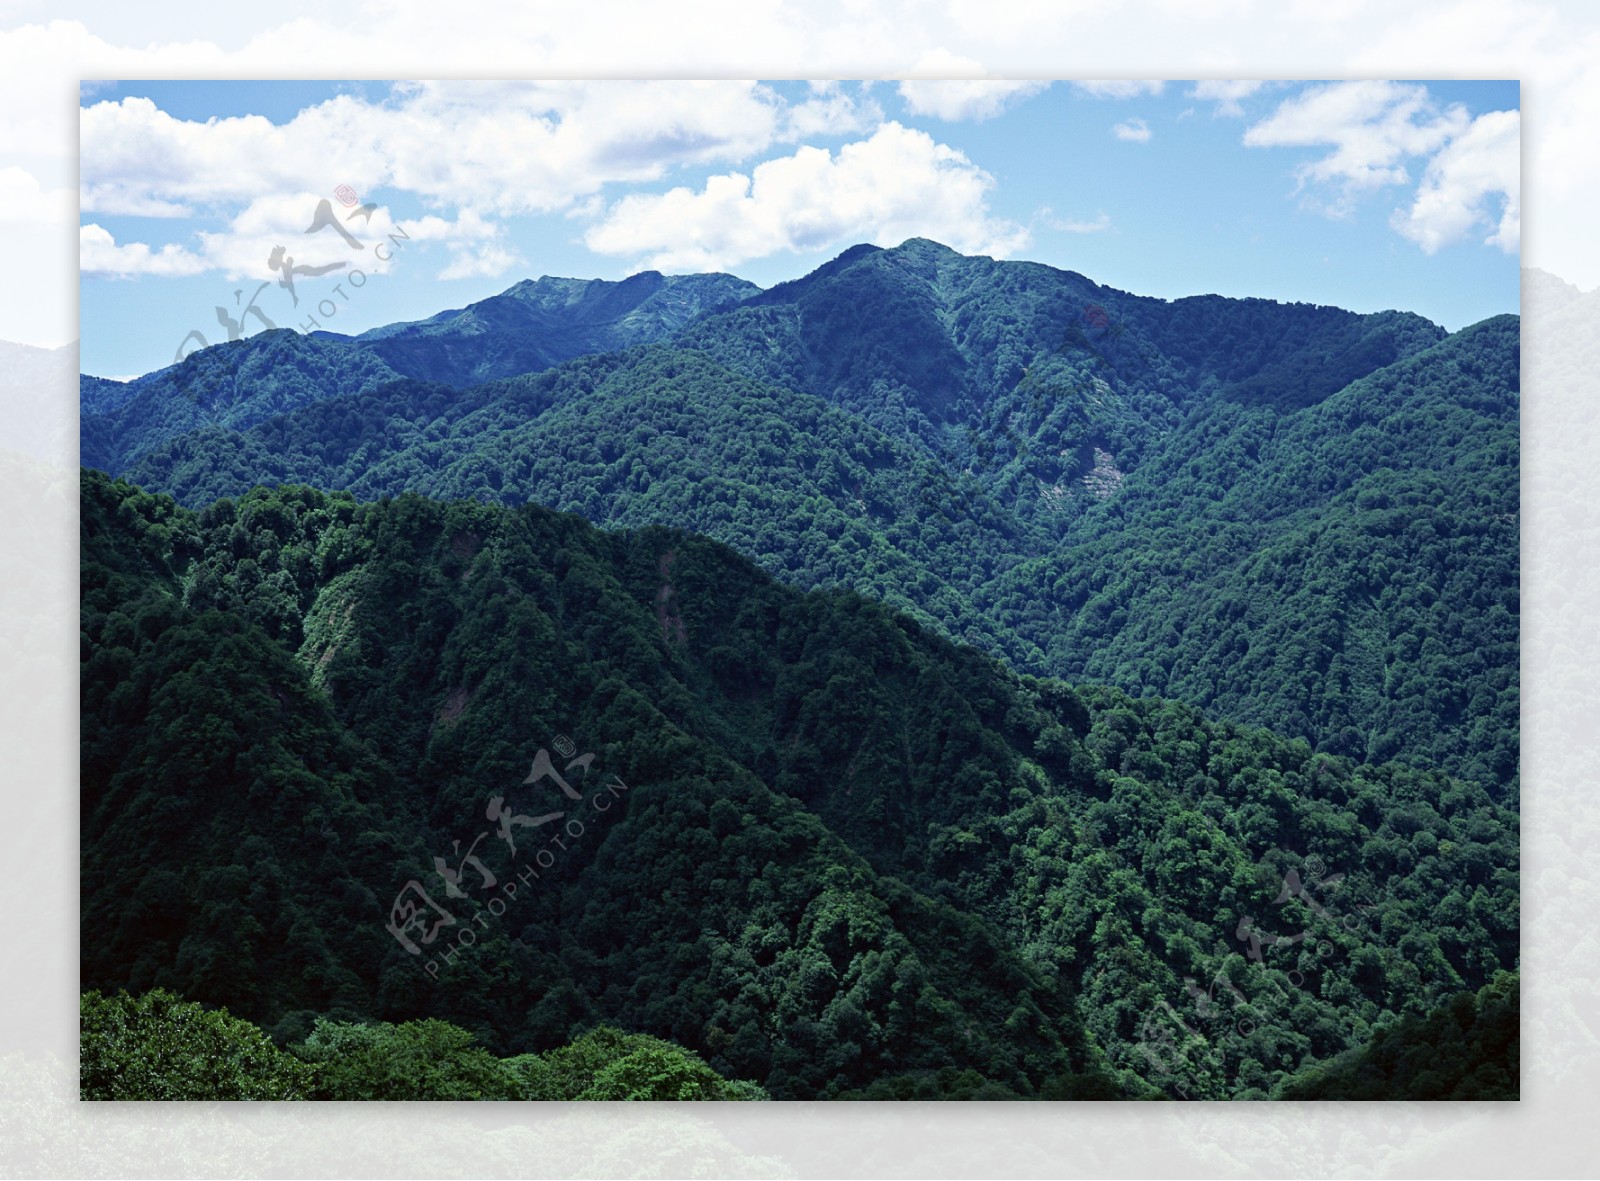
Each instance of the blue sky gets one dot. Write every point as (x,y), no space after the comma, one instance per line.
(1367,195)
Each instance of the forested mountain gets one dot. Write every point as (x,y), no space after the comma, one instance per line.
(1347,573)
(1290,515)
(838,854)
(542,322)
(235,385)
(1468,1049)
(531,326)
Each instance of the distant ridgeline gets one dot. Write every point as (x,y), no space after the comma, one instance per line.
(351,763)
(1287,514)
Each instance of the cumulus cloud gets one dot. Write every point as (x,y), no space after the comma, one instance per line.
(286,220)
(1133,130)
(509,147)
(295,239)
(829,110)
(961,98)
(1478,170)
(487,150)
(477,245)
(483,262)
(1471,178)
(1225,94)
(100,254)
(1372,128)
(897,184)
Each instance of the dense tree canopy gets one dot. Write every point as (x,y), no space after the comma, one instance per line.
(940,678)
(838,855)
(1289,515)
(159,1046)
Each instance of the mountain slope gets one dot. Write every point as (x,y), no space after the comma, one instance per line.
(236,385)
(971,355)
(543,322)
(529,327)
(1347,573)
(1291,515)
(845,854)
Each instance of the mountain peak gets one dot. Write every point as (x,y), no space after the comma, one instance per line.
(924,246)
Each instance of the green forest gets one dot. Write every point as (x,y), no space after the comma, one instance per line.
(933,678)
(1290,515)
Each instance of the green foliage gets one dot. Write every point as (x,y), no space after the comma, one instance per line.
(1467,1049)
(158,1046)
(1289,515)
(233,385)
(1347,574)
(853,857)
(530,327)
(426,1059)
(543,322)
(607,1064)
(856,859)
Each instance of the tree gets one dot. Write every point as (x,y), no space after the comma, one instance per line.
(160,1046)
(417,1060)
(607,1064)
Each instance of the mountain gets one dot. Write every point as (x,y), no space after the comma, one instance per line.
(1025,460)
(540,323)
(530,327)
(812,841)
(1347,572)
(1468,1049)
(237,385)
(986,359)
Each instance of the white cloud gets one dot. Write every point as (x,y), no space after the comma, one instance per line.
(509,147)
(99,254)
(477,245)
(953,97)
(1226,94)
(1121,88)
(1133,130)
(485,262)
(137,159)
(897,184)
(1472,175)
(23,199)
(1371,126)
(1477,168)
(479,148)
(291,221)
(830,110)
(296,237)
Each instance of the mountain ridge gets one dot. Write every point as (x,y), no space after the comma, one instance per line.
(931,428)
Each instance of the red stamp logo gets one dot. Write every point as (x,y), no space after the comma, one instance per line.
(345,194)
